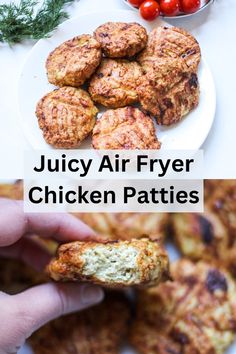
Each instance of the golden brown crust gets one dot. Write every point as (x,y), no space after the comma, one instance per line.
(223,203)
(114,83)
(171,42)
(168,91)
(200,236)
(82,261)
(98,330)
(16,191)
(125,128)
(196,313)
(66,117)
(125,226)
(120,39)
(12,190)
(210,186)
(74,61)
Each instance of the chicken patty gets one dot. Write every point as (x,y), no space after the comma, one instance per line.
(200,236)
(196,313)
(114,83)
(114,264)
(168,91)
(98,330)
(223,203)
(74,61)
(125,128)
(66,116)
(120,39)
(172,43)
(211,235)
(125,226)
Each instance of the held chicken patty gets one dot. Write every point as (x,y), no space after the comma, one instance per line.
(172,43)
(74,61)
(112,264)
(120,39)
(66,117)
(168,91)
(98,330)
(114,83)
(125,128)
(196,313)
(125,226)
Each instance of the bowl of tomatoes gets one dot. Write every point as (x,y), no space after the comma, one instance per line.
(151,9)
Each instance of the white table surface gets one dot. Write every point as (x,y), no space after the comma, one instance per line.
(215,28)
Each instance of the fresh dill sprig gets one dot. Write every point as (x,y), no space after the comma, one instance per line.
(27,20)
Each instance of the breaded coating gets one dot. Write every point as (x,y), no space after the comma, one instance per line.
(168,91)
(114,83)
(74,61)
(113,264)
(125,226)
(196,313)
(98,330)
(120,39)
(125,128)
(172,43)
(66,117)
(15,276)
(12,190)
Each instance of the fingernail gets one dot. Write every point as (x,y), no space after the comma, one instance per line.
(91,294)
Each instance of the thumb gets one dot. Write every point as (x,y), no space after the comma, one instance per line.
(24,313)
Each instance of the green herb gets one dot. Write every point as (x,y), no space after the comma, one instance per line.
(27,20)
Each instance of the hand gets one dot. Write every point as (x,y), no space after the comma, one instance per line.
(22,314)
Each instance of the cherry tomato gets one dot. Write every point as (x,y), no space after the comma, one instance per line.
(135,3)
(170,7)
(190,6)
(149,10)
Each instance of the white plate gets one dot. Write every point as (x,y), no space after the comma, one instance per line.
(204,5)
(33,84)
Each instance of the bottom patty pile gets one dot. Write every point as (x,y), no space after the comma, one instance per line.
(196,313)
(99,330)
